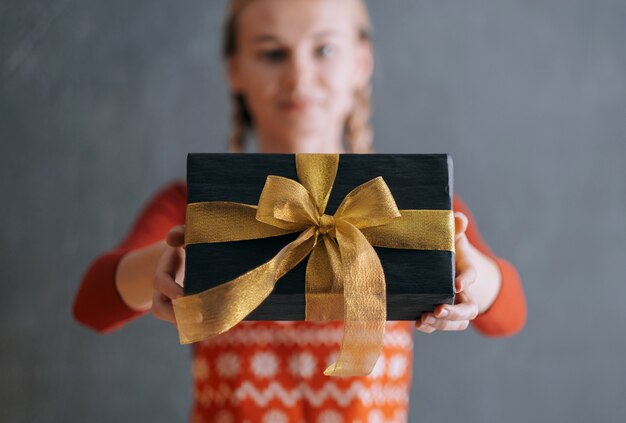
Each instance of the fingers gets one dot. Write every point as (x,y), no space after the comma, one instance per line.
(449,317)
(466,275)
(164,283)
(460,238)
(162,308)
(170,263)
(460,224)
(176,236)
(447,326)
(465,309)
(422,327)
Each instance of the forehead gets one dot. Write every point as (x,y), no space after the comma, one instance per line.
(296,20)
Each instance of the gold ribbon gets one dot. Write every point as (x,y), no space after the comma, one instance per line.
(344,276)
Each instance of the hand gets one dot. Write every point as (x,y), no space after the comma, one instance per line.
(169,275)
(465,308)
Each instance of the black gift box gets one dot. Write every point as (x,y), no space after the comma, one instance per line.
(417,280)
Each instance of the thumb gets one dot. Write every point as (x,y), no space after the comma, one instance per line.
(176,236)
(460,224)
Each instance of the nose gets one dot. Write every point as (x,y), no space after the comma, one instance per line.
(298,72)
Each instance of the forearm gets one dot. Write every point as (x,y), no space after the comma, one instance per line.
(135,273)
(488,282)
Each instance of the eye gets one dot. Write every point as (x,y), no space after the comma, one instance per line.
(325,50)
(273,55)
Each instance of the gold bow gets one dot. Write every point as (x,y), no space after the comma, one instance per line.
(344,276)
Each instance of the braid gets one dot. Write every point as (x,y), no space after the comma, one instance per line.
(239,125)
(241,120)
(358,127)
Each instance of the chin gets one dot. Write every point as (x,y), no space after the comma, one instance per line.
(302,128)
(297,136)
(308,147)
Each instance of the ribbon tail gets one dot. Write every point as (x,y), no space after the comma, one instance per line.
(365,304)
(324,292)
(216,310)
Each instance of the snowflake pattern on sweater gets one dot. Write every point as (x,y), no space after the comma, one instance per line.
(273,372)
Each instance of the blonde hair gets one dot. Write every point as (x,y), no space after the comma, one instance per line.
(357,129)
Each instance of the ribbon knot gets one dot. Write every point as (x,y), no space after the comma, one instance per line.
(327,224)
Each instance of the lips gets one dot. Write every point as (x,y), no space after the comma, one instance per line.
(297,105)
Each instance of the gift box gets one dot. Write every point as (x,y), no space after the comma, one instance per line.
(374,235)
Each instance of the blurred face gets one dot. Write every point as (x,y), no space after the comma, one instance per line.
(298,64)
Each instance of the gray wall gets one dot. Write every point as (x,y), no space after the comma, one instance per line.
(101,100)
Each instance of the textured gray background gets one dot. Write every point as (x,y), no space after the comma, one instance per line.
(101,100)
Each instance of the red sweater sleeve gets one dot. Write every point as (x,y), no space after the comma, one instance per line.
(507,315)
(98,305)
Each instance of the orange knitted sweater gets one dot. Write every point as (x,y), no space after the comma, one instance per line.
(271,372)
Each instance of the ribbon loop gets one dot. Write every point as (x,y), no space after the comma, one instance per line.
(316,172)
(369,204)
(286,204)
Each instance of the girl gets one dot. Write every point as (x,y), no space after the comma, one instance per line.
(299,72)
